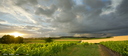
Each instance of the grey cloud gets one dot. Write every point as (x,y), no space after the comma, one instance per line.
(92,21)
(65,17)
(79,9)
(22,2)
(122,8)
(94,3)
(44,30)
(47,11)
(65,4)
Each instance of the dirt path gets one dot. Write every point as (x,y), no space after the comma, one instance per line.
(104,52)
(107,52)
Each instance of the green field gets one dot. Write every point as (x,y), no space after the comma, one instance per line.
(35,49)
(50,49)
(79,50)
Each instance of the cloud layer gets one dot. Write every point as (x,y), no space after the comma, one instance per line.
(39,18)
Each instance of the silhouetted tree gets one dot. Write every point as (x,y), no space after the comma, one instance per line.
(7,39)
(47,40)
(0,40)
(19,39)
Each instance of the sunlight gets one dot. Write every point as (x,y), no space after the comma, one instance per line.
(16,34)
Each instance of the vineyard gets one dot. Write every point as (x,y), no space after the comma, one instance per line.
(118,46)
(37,49)
(58,48)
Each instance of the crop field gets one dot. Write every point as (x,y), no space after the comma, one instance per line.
(34,49)
(65,48)
(119,46)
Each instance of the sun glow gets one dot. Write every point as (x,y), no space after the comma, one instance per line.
(16,34)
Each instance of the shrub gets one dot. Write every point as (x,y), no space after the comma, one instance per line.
(48,40)
(19,39)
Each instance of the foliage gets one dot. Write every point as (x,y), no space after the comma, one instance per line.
(47,40)
(19,39)
(8,39)
(37,49)
(118,46)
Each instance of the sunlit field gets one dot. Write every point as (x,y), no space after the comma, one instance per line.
(115,38)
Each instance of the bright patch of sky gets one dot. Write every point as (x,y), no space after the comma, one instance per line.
(79,2)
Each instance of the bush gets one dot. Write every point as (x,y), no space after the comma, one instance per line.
(19,39)
(48,40)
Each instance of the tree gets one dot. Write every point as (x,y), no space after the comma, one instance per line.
(7,39)
(19,39)
(47,40)
(0,40)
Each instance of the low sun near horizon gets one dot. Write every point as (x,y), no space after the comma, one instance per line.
(16,34)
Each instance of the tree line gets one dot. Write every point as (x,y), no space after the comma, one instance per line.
(8,39)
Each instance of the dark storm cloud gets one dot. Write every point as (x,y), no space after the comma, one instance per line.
(92,21)
(122,9)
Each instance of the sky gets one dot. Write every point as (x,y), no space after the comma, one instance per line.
(44,18)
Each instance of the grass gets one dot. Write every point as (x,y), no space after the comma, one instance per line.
(79,50)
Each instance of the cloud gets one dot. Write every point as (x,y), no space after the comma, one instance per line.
(94,4)
(22,2)
(64,17)
(112,7)
(48,11)
(91,21)
(65,4)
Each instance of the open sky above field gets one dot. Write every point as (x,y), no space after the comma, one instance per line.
(36,18)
